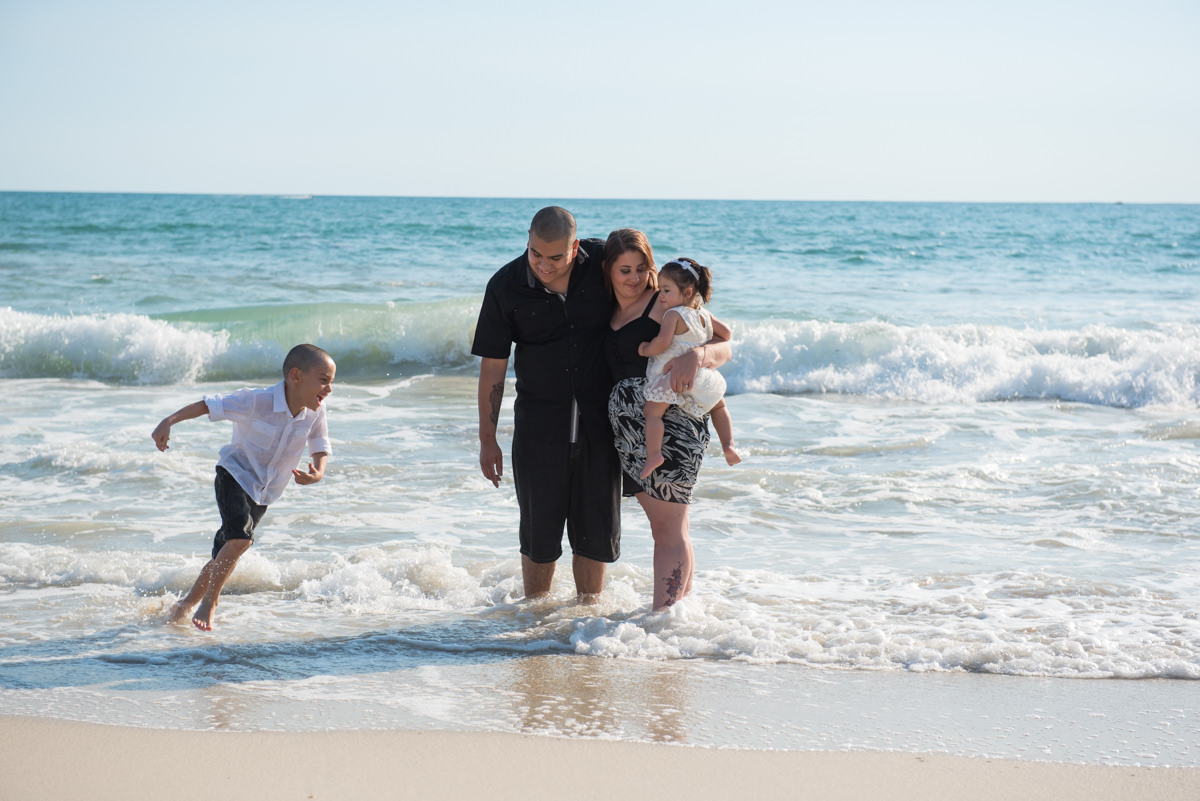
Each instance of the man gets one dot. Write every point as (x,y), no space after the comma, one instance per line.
(552,303)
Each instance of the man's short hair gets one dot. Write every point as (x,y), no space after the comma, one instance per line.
(306,357)
(552,224)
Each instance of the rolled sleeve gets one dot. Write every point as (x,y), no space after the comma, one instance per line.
(235,406)
(318,436)
(216,408)
(320,445)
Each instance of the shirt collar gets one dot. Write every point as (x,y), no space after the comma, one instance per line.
(280,395)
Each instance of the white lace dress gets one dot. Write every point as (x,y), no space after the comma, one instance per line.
(709,386)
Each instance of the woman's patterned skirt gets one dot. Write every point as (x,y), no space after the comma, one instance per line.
(685,439)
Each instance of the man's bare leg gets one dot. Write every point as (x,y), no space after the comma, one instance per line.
(536,577)
(221,569)
(589,578)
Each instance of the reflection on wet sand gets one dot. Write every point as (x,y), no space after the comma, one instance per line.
(582,696)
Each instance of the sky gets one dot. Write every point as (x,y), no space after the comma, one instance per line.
(914,100)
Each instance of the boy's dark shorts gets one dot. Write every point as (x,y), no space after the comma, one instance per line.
(239,514)
(578,485)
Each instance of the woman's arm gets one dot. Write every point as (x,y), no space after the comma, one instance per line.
(717,351)
(721,331)
(712,354)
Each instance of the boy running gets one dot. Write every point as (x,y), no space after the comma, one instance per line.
(271,428)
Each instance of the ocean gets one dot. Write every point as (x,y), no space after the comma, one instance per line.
(966,521)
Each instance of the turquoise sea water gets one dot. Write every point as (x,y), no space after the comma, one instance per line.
(971,479)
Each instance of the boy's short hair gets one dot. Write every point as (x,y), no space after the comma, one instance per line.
(306,357)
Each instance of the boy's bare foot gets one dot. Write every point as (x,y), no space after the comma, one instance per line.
(653,462)
(177,612)
(731,454)
(204,616)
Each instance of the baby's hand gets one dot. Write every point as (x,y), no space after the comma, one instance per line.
(311,477)
(642,349)
(160,435)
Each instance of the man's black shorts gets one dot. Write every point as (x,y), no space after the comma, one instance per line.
(239,514)
(577,485)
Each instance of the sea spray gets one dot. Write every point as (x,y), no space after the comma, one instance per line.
(929,364)
(970,363)
(234,344)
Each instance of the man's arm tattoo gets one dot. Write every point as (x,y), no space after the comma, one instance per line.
(495,396)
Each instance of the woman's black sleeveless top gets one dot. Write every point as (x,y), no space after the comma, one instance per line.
(620,346)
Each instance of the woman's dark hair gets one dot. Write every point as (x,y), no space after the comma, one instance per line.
(627,240)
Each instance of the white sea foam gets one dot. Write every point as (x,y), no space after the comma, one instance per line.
(970,363)
(135,349)
(1048,627)
(126,348)
(1014,623)
(931,364)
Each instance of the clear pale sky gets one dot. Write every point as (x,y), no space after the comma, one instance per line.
(901,100)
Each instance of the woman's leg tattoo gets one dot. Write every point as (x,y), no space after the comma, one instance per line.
(674,584)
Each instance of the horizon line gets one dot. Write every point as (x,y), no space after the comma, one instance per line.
(313,195)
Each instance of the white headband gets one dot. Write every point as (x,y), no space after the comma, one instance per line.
(687,267)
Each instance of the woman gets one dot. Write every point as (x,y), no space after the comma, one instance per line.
(665,494)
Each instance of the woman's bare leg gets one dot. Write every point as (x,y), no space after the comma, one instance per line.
(674,561)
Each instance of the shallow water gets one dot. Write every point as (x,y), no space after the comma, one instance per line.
(965,522)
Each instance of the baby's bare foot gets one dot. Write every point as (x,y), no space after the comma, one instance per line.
(653,462)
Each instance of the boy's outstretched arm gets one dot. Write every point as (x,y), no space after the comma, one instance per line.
(316,469)
(162,431)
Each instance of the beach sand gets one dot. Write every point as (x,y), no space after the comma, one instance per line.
(52,759)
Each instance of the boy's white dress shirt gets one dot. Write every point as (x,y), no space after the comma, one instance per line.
(268,442)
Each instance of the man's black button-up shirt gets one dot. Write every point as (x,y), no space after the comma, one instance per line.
(559,343)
